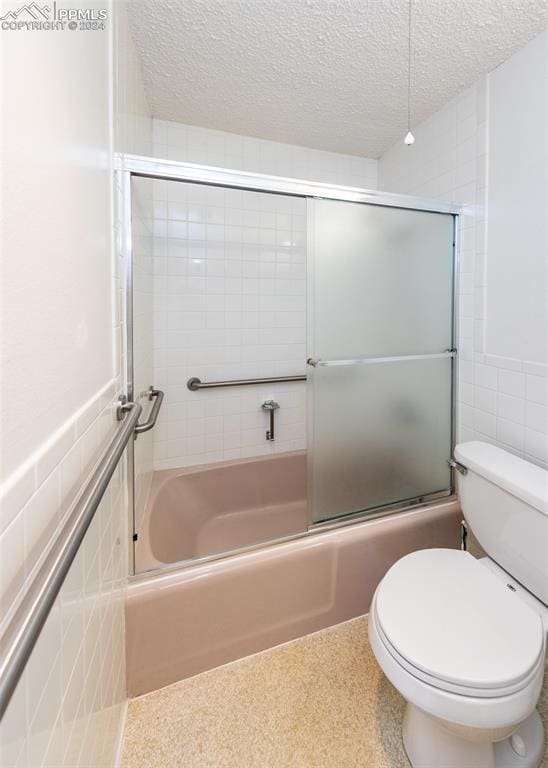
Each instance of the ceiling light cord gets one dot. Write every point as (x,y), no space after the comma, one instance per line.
(409,138)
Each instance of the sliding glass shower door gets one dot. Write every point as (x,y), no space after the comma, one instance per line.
(380,360)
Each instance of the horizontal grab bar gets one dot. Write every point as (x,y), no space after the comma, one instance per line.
(194,384)
(158,396)
(22,631)
(370,360)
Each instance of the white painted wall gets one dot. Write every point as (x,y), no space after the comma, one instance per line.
(133,123)
(488,148)
(230,294)
(517,317)
(60,363)
(56,313)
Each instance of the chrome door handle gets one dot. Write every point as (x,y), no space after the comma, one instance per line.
(317,363)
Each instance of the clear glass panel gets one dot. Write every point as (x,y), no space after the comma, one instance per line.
(143,369)
(219,294)
(381,434)
(381,280)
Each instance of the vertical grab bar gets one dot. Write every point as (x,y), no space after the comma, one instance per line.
(158,396)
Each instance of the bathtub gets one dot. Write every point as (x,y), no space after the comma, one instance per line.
(182,622)
(205,510)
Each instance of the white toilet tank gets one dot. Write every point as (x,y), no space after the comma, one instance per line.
(505,501)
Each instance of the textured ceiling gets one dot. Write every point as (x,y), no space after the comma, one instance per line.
(329,74)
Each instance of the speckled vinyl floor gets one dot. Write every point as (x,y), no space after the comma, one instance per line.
(317,702)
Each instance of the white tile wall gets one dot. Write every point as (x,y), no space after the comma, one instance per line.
(501,399)
(187,143)
(67,709)
(230,294)
(509,407)
(229,303)
(517,264)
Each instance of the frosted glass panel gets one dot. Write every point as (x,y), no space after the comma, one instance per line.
(381,434)
(381,280)
(380,286)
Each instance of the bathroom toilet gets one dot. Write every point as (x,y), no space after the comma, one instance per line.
(464,640)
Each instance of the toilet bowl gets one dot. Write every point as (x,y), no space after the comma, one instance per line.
(464,640)
(468,655)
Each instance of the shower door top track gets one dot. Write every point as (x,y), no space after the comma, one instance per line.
(171,170)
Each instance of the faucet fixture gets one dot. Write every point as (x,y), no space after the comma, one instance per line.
(271,406)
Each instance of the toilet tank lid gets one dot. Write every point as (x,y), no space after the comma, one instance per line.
(522,479)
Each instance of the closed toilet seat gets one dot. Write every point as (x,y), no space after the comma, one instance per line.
(455,625)
(452,686)
(456,641)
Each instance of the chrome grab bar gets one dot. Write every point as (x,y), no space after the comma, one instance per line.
(24,627)
(194,384)
(157,395)
(369,360)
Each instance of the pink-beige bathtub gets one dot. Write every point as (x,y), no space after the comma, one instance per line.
(182,622)
(198,511)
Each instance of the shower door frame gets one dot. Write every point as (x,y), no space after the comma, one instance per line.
(129,166)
